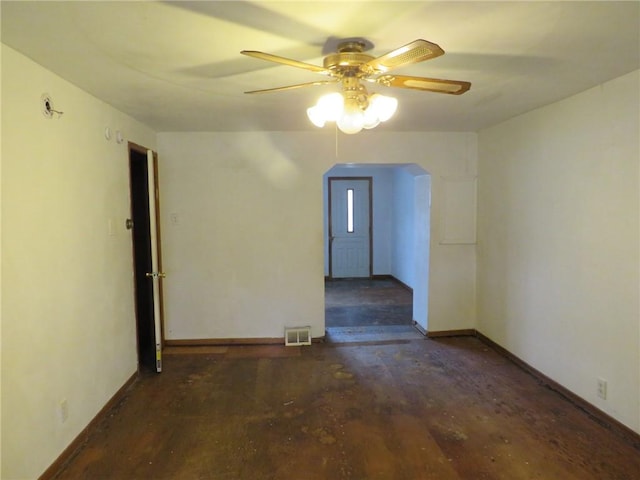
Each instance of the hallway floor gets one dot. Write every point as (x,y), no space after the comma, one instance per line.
(442,409)
(367,310)
(358,302)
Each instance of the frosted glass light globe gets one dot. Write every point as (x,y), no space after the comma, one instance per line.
(352,119)
(384,106)
(316,116)
(371,119)
(331,106)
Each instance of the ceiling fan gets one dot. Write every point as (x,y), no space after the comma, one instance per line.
(351,66)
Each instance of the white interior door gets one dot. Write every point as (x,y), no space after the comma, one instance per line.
(154,274)
(350,227)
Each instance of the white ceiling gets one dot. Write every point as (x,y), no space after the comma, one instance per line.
(176,66)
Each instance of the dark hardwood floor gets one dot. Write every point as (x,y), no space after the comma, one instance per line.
(367,302)
(376,401)
(442,409)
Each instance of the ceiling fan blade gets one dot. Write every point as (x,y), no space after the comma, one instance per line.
(453,87)
(414,52)
(292,87)
(286,61)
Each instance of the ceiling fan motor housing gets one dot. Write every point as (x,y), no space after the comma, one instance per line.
(342,60)
(348,58)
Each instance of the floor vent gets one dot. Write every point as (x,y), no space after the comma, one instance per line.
(297,336)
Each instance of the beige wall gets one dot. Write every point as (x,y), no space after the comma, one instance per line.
(68,325)
(242,227)
(558,260)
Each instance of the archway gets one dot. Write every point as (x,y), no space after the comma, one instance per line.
(400,226)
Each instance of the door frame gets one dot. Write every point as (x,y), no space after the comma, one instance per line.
(329,220)
(139,149)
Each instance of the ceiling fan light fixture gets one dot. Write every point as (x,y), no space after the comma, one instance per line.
(353,113)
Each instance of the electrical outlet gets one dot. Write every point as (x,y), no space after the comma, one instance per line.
(63,410)
(602,388)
